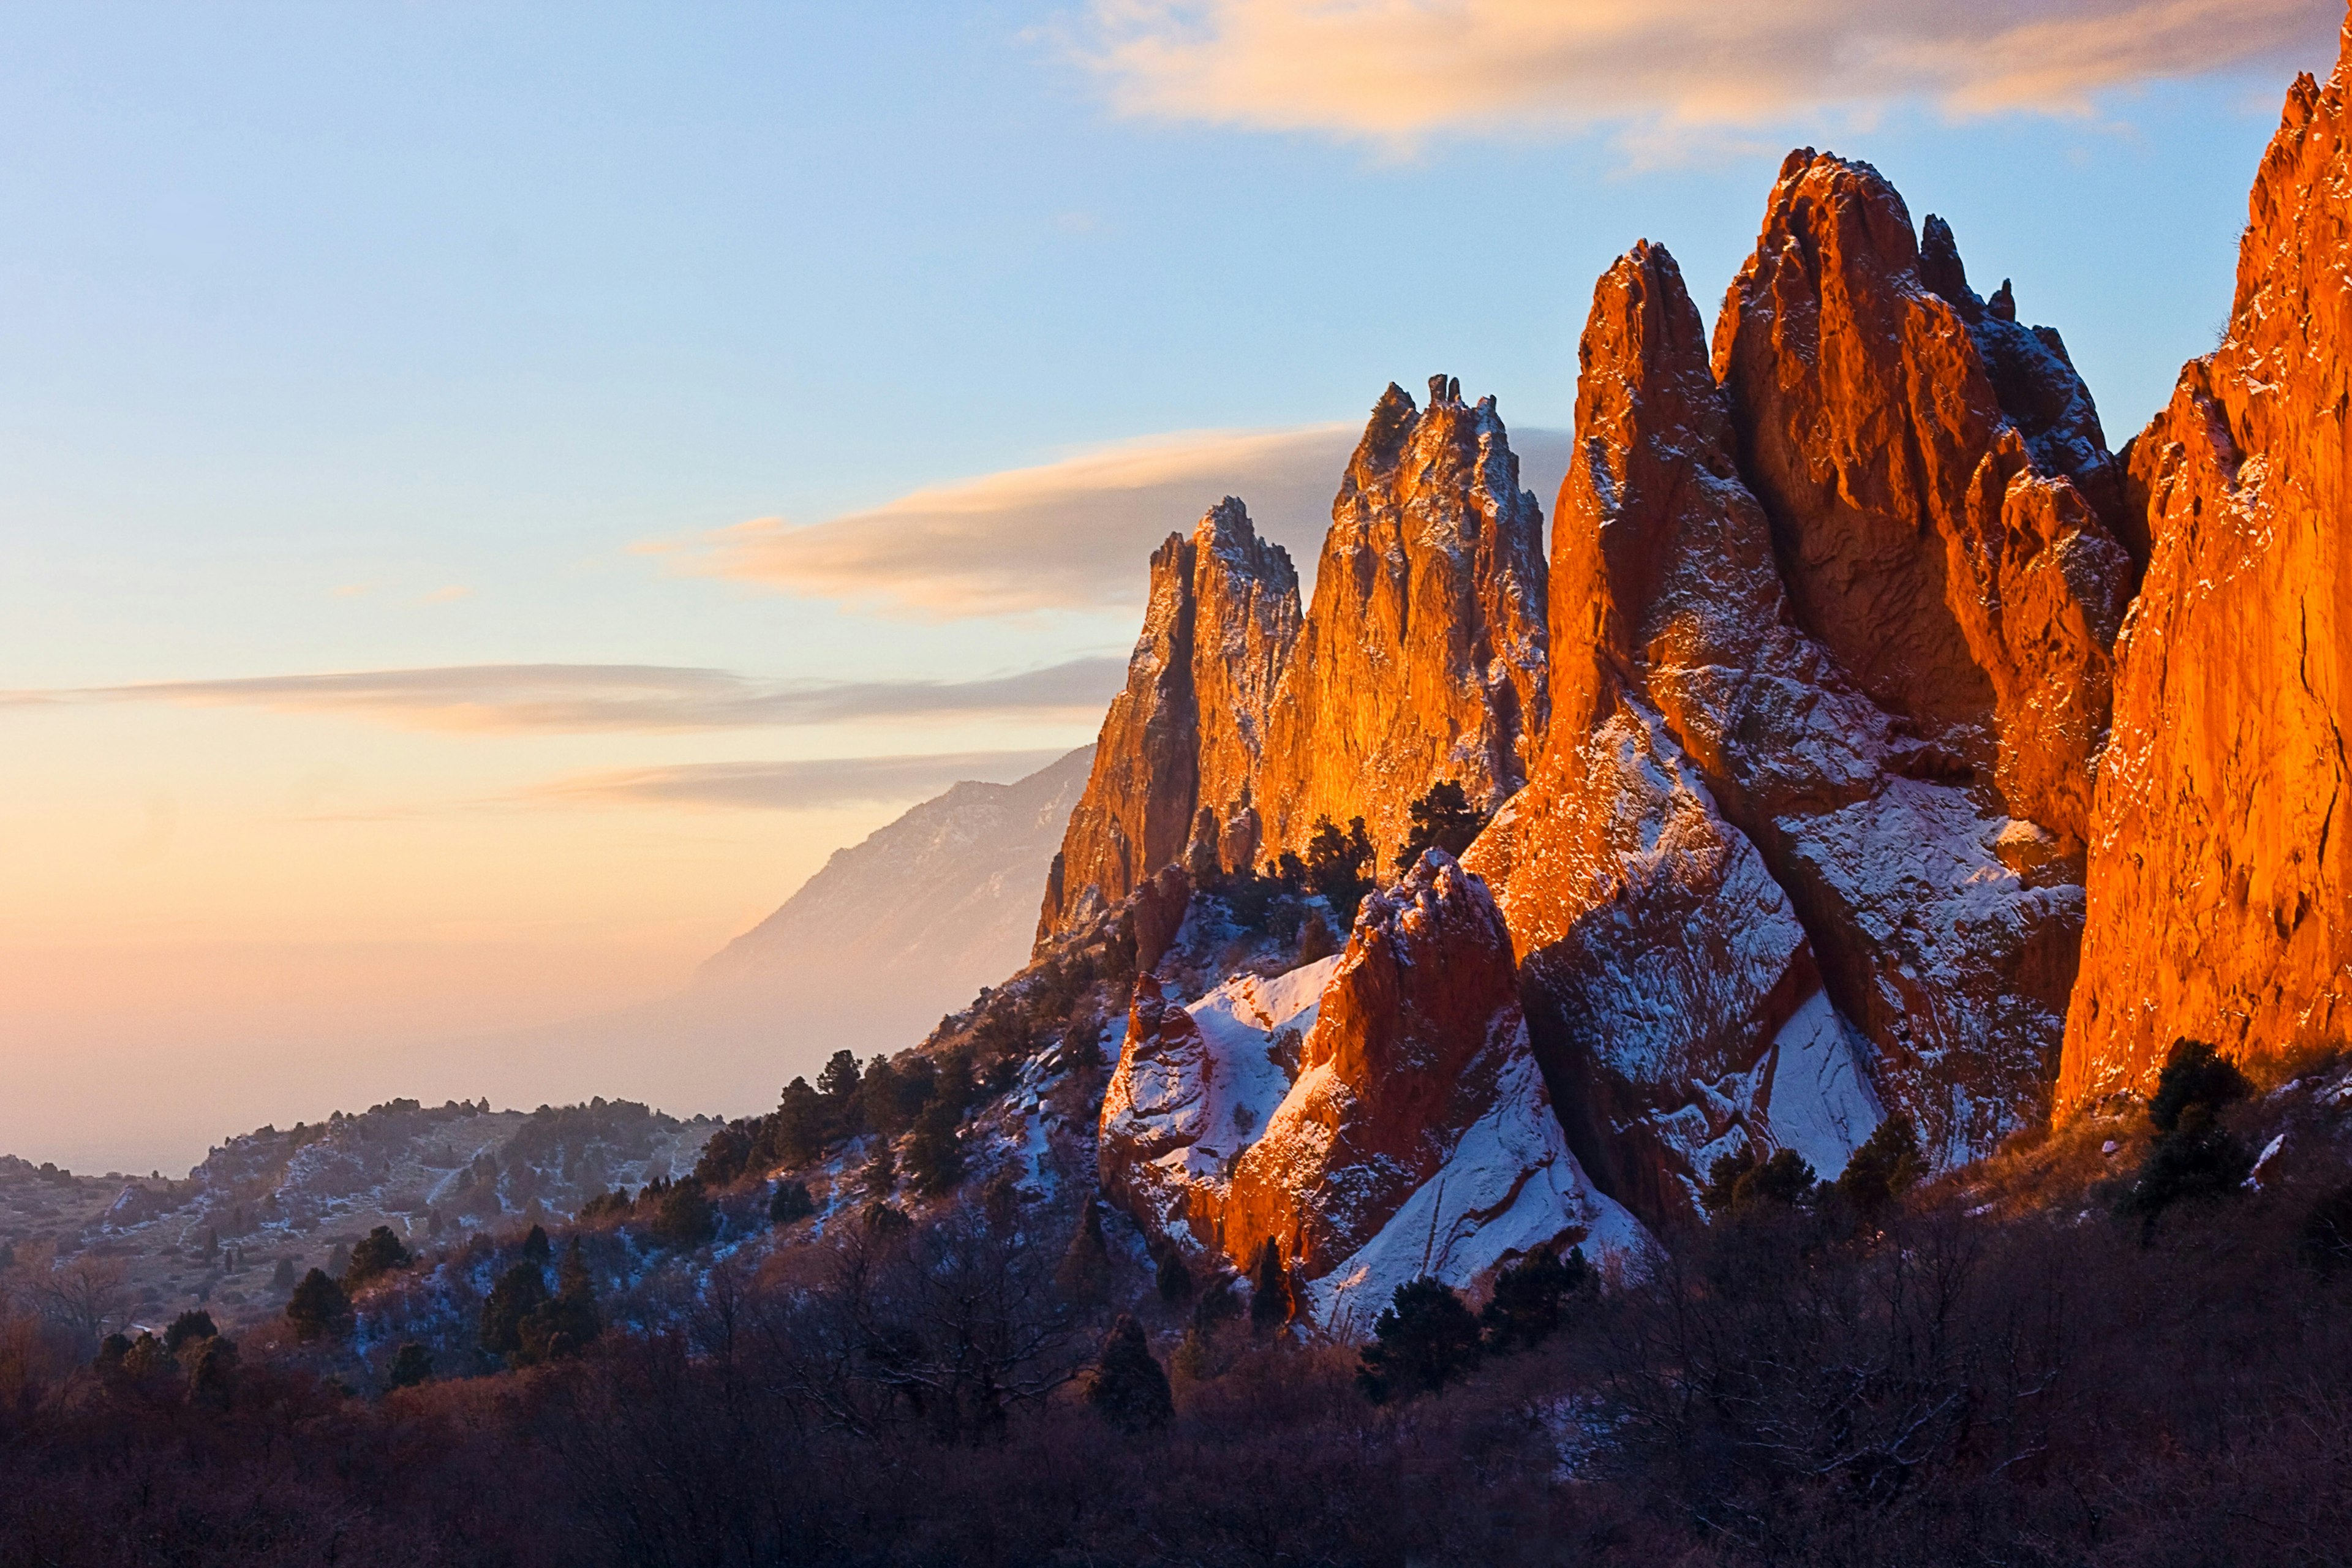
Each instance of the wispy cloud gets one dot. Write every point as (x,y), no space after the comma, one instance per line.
(581,698)
(791,786)
(1397,70)
(1072,535)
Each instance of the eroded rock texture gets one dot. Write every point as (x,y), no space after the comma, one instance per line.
(1941,546)
(1184,738)
(2221,873)
(1423,655)
(1765,882)
(1378,1114)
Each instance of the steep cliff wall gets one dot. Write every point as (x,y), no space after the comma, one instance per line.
(2221,870)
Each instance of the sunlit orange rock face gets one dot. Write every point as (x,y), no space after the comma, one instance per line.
(1423,656)
(1421,659)
(1830,646)
(1416,1024)
(1184,737)
(1938,530)
(2221,869)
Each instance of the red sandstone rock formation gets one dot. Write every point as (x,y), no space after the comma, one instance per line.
(2221,868)
(1423,655)
(1185,736)
(1757,867)
(1410,1133)
(1943,548)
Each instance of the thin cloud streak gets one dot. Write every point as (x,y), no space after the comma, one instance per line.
(1073,535)
(1397,72)
(792,785)
(586,698)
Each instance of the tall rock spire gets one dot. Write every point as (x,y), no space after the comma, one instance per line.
(1184,737)
(2220,872)
(1424,657)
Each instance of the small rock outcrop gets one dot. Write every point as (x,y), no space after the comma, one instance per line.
(1182,742)
(1424,657)
(2221,868)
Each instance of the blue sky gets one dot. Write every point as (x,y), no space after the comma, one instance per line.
(380,336)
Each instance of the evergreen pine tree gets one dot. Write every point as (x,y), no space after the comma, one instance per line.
(1529,1294)
(283,1277)
(1270,1299)
(685,1216)
(1422,1341)
(838,1085)
(1128,1386)
(1444,819)
(197,1324)
(411,1365)
(1083,1274)
(935,1150)
(378,1254)
(880,1176)
(520,1291)
(799,1134)
(881,1093)
(1170,1276)
(1739,1182)
(2194,1156)
(790,1202)
(317,1308)
(1888,1165)
(1338,866)
(211,1362)
(562,1324)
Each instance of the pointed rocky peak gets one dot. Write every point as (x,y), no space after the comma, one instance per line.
(2035,384)
(1424,654)
(1185,735)
(1629,518)
(1225,540)
(2221,875)
(1416,1078)
(1911,462)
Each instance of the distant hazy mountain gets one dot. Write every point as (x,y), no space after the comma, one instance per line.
(907,926)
